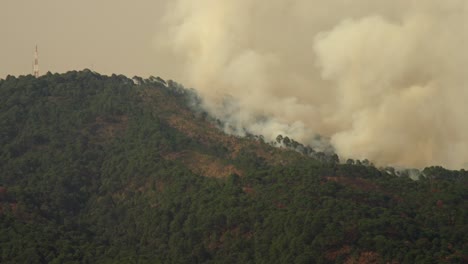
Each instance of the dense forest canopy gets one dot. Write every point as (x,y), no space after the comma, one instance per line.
(107,169)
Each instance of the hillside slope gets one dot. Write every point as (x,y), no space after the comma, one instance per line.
(99,169)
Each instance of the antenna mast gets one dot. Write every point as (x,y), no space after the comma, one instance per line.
(36,64)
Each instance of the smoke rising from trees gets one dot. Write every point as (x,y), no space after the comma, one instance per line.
(381,80)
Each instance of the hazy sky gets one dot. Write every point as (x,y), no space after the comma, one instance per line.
(110,36)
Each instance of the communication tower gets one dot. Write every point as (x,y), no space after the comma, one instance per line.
(36,64)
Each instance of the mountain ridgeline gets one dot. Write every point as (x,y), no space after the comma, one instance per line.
(107,169)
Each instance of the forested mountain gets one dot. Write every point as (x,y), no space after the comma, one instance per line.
(107,169)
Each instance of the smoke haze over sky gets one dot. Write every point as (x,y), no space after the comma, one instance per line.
(109,36)
(384,80)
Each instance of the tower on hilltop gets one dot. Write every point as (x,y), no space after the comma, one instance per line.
(36,64)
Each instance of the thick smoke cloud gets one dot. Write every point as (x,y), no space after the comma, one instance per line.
(383,80)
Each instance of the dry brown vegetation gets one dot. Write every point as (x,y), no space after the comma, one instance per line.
(203,164)
(178,116)
(103,129)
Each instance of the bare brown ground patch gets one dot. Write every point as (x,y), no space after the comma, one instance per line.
(334,254)
(178,116)
(203,164)
(103,129)
(208,134)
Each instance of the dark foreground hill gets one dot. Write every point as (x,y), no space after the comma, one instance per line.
(97,169)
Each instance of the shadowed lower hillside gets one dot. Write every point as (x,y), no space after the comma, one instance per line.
(98,169)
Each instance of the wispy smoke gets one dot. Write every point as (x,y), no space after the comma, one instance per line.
(383,81)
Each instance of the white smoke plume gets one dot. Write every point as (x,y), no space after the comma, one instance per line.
(383,80)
